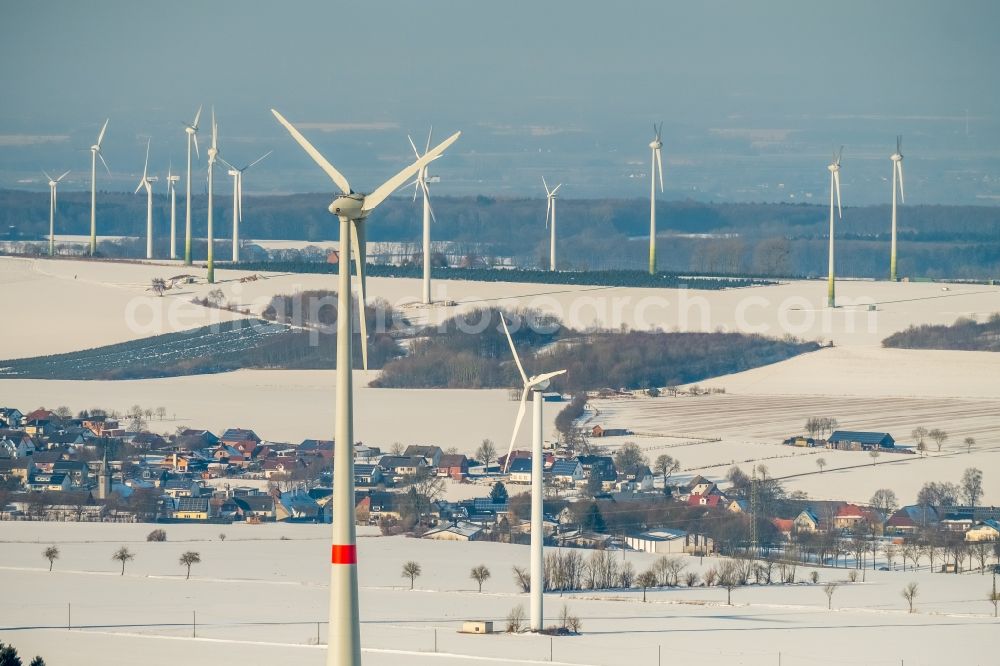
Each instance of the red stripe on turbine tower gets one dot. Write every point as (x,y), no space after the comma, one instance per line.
(345,554)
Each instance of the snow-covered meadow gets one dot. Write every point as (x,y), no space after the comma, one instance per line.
(257,597)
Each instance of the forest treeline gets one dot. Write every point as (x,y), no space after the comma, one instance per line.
(470,351)
(964,335)
(601,234)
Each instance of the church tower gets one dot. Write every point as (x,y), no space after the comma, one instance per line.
(104,479)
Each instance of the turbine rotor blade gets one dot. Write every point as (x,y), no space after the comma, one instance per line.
(195,138)
(659,164)
(427,198)
(257,161)
(106,167)
(430,133)
(899,167)
(416,152)
(223,160)
(47,176)
(546,186)
(538,379)
(836,181)
(357,240)
(556,189)
(239,195)
(517,426)
(197,115)
(390,186)
(338,178)
(548,210)
(100,137)
(145,167)
(510,341)
(62,176)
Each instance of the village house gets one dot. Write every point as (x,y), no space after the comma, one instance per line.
(19,469)
(567,473)
(191,508)
(454,466)
(15,444)
(850,517)
(851,440)
(984,530)
(398,468)
(520,471)
(669,542)
(10,417)
(601,431)
(458,531)
(48,481)
(699,485)
(261,507)
(807,522)
(367,475)
(911,519)
(430,454)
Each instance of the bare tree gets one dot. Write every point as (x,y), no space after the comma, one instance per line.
(874,453)
(159,285)
(487,452)
(729,578)
(645,580)
(970,443)
(981,550)
(522,578)
(667,465)
(939,436)
(411,570)
(161,413)
(123,555)
(972,486)
(884,501)
(829,589)
(51,554)
(994,597)
(480,574)
(910,593)
(187,559)
(515,619)
(396,449)
(821,463)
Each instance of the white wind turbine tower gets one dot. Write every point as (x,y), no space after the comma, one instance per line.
(147,182)
(535,385)
(420,185)
(656,167)
(550,219)
(53,183)
(192,136)
(237,174)
(897,172)
(351,208)
(95,152)
(213,154)
(834,167)
(172,185)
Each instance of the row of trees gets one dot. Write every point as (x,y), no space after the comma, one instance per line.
(124,555)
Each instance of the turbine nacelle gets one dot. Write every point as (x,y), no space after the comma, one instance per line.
(349,206)
(896,157)
(834,168)
(656,145)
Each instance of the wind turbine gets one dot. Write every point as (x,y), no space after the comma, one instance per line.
(420,185)
(53,183)
(351,208)
(95,152)
(213,154)
(834,167)
(897,172)
(237,174)
(656,167)
(172,185)
(535,385)
(147,182)
(550,212)
(192,136)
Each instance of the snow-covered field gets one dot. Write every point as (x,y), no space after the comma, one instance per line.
(259,594)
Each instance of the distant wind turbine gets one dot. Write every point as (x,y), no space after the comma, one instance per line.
(213,154)
(172,185)
(53,183)
(834,167)
(897,173)
(420,185)
(95,152)
(550,220)
(237,174)
(192,136)
(351,208)
(656,167)
(535,385)
(147,182)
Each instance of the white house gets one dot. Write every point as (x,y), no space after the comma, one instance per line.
(986,530)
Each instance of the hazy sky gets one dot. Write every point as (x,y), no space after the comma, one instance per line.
(752,93)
